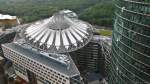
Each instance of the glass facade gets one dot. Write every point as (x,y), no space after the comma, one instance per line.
(89,58)
(130,62)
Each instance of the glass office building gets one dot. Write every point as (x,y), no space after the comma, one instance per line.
(130,63)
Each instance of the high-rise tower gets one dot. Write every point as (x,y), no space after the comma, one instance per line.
(130,63)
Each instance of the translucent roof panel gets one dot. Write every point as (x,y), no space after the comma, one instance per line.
(59,33)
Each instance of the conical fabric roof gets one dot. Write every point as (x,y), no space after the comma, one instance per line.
(59,33)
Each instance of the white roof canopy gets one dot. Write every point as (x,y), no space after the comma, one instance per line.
(59,33)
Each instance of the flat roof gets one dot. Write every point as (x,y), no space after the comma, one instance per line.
(71,71)
(1,58)
(2,17)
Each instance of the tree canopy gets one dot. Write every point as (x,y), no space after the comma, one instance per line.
(98,12)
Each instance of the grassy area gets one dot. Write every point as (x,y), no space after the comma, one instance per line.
(105,32)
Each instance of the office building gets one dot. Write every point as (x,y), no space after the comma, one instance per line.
(130,62)
(7,21)
(40,52)
(89,58)
(106,44)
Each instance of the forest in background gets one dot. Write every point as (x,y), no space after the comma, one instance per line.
(97,12)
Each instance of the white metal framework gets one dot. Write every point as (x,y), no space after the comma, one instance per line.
(59,33)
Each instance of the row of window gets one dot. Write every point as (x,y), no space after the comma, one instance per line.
(138,18)
(35,67)
(20,69)
(134,7)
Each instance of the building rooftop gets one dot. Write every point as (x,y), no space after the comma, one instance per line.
(99,39)
(70,70)
(3,17)
(1,58)
(94,77)
(59,33)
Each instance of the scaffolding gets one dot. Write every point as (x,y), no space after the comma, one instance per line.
(130,62)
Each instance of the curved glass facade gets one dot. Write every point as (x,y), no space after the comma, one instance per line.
(130,63)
